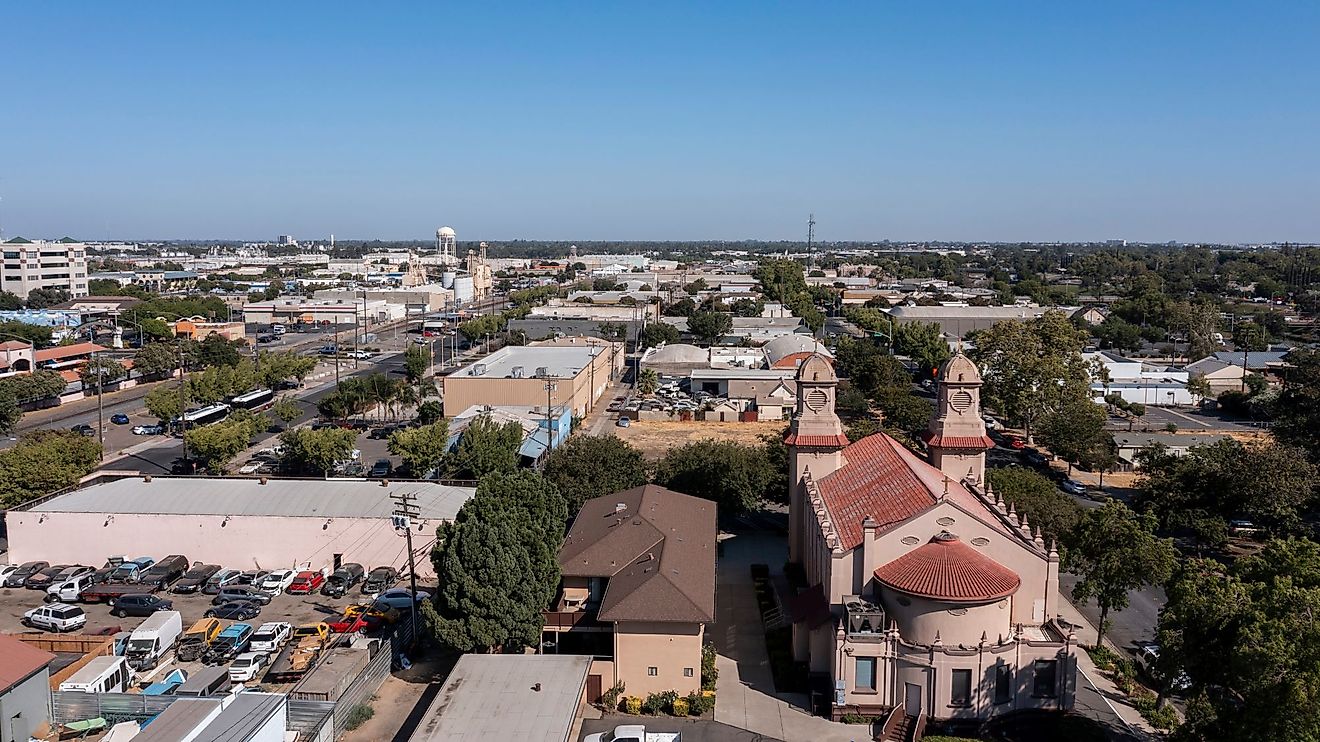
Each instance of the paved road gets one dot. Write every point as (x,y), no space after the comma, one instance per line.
(1135,623)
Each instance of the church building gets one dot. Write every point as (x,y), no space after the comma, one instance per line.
(926,595)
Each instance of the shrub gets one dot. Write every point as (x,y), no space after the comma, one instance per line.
(856,719)
(708,672)
(659,702)
(680,707)
(700,703)
(610,698)
(358,715)
(1103,657)
(632,705)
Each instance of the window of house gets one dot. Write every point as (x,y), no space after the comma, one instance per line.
(652,671)
(960,693)
(1046,675)
(687,672)
(1003,684)
(865,677)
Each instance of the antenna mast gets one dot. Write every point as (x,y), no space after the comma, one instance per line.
(811,234)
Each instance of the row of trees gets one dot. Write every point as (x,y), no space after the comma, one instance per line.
(213,384)
(43,462)
(19,389)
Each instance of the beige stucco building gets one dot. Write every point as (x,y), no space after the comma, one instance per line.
(638,590)
(926,595)
(578,370)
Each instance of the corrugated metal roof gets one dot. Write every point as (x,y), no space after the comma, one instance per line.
(246,713)
(242,496)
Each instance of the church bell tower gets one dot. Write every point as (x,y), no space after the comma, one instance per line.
(956,438)
(815,440)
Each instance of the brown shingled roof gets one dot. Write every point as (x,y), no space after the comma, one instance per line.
(658,551)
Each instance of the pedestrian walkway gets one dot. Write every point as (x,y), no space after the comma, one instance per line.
(745,694)
(1097,696)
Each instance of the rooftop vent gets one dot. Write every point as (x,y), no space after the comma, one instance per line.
(542,372)
(517,372)
(478,369)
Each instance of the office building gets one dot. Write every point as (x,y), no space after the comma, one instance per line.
(39,264)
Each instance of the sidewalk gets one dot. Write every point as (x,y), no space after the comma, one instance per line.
(1114,700)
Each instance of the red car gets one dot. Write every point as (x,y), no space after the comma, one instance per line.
(1015,442)
(306,582)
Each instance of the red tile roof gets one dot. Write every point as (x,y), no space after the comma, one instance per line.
(958,441)
(884,479)
(18,661)
(66,351)
(949,570)
(827,441)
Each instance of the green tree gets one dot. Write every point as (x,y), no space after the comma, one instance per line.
(498,565)
(747,306)
(156,359)
(216,350)
(282,366)
(430,411)
(656,333)
(39,336)
(422,449)
(286,410)
(733,475)
(9,301)
(1075,431)
(309,451)
(166,403)
(1116,332)
(1114,551)
(416,361)
(1246,637)
(647,381)
(1297,420)
(107,369)
(613,331)
(1199,387)
(709,325)
(1032,368)
(588,466)
(44,297)
(216,445)
(1034,495)
(681,308)
(781,280)
(923,342)
(43,462)
(486,447)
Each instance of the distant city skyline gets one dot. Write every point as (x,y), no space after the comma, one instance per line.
(1047,122)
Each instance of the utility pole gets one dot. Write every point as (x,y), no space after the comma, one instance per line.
(183,405)
(336,357)
(100,405)
(811,234)
(550,387)
(405,510)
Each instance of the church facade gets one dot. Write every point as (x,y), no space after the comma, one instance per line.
(926,595)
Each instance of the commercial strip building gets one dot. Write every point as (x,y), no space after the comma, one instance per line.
(958,321)
(414,299)
(578,372)
(294,311)
(241,523)
(638,590)
(197,328)
(40,264)
(497,697)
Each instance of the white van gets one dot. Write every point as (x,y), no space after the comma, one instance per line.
(101,675)
(69,590)
(153,638)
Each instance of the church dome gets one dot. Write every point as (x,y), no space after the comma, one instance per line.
(960,368)
(948,570)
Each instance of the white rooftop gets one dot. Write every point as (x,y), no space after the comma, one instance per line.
(241,496)
(560,362)
(524,697)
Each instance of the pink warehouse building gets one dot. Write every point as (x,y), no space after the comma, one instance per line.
(239,523)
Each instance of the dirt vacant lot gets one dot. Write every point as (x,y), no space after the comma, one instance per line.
(655,438)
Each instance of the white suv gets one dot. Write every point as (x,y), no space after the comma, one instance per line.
(269,637)
(277,582)
(246,667)
(56,618)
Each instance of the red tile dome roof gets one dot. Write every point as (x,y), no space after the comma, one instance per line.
(949,570)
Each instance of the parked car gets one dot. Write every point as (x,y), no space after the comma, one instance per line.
(69,590)
(1015,442)
(57,618)
(251,577)
(5,571)
(230,642)
(132,570)
(139,604)
(1073,487)
(1148,655)
(220,580)
(271,636)
(194,579)
(19,576)
(278,581)
(623,422)
(247,666)
(230,593)
(44,578)
(382,468)
(240,610)
(379,579)
(344,578)
(107,569)
(84,430)
(166,571)
(306,582)
(148,430)
(197,638)
(119,418)
(401,598)
(1034,457)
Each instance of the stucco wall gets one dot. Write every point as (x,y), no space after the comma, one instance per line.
(668,647)
(30,702)
(244,542)
(921,620)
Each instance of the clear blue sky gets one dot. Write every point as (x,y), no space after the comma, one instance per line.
(950,120)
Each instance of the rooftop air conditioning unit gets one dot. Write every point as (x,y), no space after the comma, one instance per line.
(517,372)
(478,369)
(542,372)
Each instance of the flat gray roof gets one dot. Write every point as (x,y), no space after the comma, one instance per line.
(494,697)
(560,362)
(179,721)
(239,496)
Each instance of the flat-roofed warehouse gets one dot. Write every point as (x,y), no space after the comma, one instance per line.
(240,523)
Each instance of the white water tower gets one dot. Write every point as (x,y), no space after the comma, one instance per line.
(446,243)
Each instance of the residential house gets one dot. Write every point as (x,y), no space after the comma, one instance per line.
(1130,443)
(638,590)
(1223,376)
(924,592)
